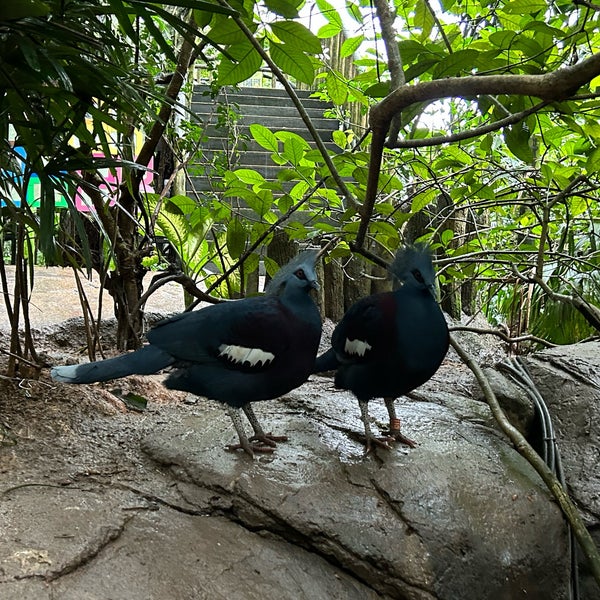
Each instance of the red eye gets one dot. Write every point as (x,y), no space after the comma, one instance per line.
(417,275)
(300,274)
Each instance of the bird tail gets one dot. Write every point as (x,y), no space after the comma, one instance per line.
(144,361)
(326,362)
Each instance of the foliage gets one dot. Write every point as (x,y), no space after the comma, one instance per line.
(505,205)
(513,193)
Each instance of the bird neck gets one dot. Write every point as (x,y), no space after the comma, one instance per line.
(298,300)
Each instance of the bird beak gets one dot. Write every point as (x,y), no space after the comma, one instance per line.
(314,284)
(433,291)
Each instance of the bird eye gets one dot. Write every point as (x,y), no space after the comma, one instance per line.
(417,275)
(300,274)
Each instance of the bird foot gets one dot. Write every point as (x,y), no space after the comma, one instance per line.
(372,442)
(396,435)
(251,448)
(269,439)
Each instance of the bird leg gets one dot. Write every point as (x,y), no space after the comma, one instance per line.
(259,435)
(244,444)
(394,430)
(370,439)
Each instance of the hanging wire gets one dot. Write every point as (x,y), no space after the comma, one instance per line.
(550,453)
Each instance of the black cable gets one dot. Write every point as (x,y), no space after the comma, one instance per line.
(516,368)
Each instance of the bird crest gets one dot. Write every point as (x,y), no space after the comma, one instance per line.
(305,260)
(413,261)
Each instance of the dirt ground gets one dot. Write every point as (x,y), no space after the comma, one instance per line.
(54,436)
(42,423)
(54,298)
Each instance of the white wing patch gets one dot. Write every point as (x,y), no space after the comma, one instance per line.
(240,355)
(358,347)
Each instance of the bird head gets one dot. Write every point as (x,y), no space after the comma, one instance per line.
(412,267)
(298,274)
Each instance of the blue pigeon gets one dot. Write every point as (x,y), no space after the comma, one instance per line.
(235,352)
(388,344)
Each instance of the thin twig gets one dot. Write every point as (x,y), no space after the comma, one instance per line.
(522,446)
(499,333)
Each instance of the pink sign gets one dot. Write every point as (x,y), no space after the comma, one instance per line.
(111,180)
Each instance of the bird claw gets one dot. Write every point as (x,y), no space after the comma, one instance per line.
(266,443)
(373,442)
(395,435)
(251,448)
(269,439)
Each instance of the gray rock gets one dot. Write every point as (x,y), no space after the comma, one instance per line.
(513,399)
(462,516)
(568,378)
(115,545)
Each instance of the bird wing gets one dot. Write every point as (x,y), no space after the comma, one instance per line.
(249,333)
(364,328)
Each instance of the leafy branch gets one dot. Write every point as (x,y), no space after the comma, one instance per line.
(551,87)
(297,103)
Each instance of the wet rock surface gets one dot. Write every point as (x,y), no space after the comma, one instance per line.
(99,502)
(460,516)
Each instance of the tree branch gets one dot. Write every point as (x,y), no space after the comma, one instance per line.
(176,82)
(522,446)
(386,16)
(554,86)
(503,336)
(465,135)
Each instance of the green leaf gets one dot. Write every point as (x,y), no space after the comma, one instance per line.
(285,203)
(592,165)
(249,176)
(184,204)
(202,18)
(285,8)
(420,201)
(157,34)
(329,30)
(334,21)
(524,7)
(264,137)
(456,63)
(292,62)
(446,236)
(132,401)
(293,150)
(502,39)
(226,31)
(351,45)
(246,62)
(424,19)
(336,87)
(420,67)
(297,36)
(378,90)
(22,9)
(260,202)
(330,13)
(339,137)
(517,139)
(578,205)
(236,238)
(355,12)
